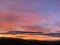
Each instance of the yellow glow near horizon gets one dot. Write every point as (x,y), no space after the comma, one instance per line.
(31,37)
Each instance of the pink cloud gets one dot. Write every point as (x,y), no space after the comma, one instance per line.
(21,18)
(12,11)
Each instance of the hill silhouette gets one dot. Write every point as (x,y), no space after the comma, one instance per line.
(33,33)
(16,41)
(22,32)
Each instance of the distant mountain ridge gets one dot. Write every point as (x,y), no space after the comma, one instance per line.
(53,34)
(22,32)
(33,33)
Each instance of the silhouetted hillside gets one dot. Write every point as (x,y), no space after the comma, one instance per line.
(15,41)
(22,32)
(33,33)
(53,34)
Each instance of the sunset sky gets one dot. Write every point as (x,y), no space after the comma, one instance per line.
(30,15)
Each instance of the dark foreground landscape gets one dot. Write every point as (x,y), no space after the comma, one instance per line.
(15,41)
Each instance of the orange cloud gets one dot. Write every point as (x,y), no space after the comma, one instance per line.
(17,19)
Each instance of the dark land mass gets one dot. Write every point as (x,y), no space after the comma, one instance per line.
(15,41)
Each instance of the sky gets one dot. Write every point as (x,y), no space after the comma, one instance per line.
(30,15)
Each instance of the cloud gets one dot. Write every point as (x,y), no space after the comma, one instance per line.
(14,12)
(18,18)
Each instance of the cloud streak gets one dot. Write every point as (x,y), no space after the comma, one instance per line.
(26,16)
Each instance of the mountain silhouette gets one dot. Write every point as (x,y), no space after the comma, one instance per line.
(16,41)
(53,34)
(22,32)
(33,33)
